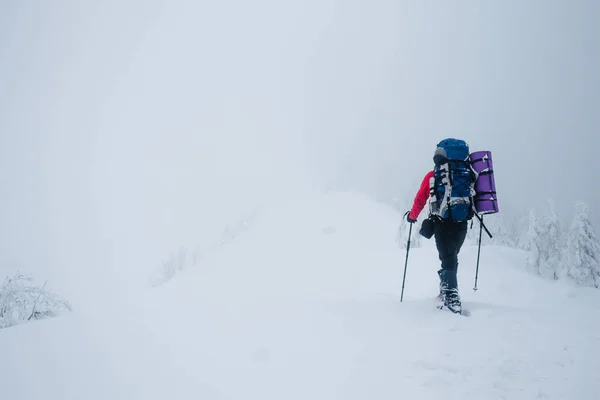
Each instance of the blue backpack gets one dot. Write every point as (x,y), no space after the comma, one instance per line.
(453,186)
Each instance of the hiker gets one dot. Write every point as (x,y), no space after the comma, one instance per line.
(450,199)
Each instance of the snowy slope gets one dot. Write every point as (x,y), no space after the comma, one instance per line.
(306,305)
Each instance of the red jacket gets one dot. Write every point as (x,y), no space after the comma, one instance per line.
(421,197)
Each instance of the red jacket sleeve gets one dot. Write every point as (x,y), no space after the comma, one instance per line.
(421,197)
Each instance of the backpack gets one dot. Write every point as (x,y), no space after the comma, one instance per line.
(452,188)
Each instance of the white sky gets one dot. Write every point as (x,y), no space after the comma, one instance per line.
(129,128)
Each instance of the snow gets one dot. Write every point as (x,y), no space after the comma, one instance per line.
(306,305)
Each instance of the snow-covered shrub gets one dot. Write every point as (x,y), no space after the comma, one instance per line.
(21,301)
(582,251)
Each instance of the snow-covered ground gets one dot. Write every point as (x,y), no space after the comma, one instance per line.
(306,305)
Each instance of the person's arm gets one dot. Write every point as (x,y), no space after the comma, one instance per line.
(421,197)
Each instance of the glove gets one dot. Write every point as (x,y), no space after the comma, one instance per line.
(409,219)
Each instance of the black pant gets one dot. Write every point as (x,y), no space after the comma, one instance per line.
(449,238)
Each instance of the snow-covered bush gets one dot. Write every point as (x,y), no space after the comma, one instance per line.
(22,301)
(582,251)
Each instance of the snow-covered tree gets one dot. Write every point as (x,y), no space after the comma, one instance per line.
(531,242)
(22,301)
(582,253)
(550,244)
(523,224)
(543,240)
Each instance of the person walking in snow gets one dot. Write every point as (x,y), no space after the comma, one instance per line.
(449,189)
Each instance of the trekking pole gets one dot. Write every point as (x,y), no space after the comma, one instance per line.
(406,261)
(478,252)
(481,228)
(483,225)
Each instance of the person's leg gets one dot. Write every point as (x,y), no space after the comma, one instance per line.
(448,242)
(449,238)
(457,233)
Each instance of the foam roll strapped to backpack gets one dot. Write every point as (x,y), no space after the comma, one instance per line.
(452,187)
(486,201)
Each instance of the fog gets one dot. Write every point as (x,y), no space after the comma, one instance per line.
(128,129)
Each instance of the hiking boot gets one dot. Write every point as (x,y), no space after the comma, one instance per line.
(441,297)
(452,300)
